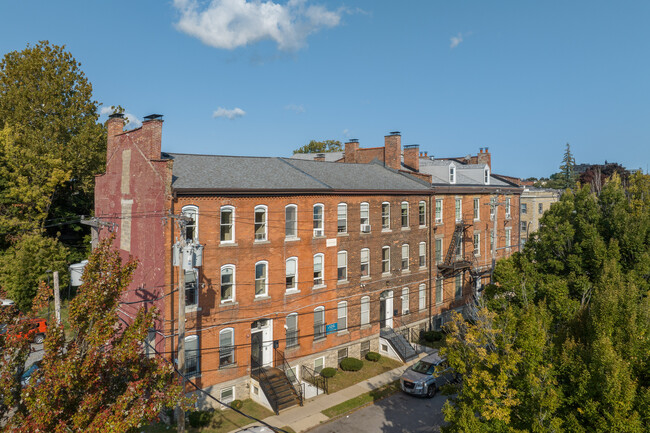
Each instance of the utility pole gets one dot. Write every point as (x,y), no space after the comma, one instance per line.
(57,298)
(95,224)
(494,202)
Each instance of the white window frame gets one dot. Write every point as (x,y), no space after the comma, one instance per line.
(342,315)
(318,364)
(422,213)
(226,348)
(458,209)
(186,211)
(320,256)
(266,279)
(225,399)
(477,244)
(438,246)
(439,203)
(364,207)
(440,295)
(230,209)
(287,222)
(422,297)
(365,310)
(508,208)
(365,263)
(232,288)
(295,275)
(524,208)
(422,254)
(344,261)
(406,259)
(291,341)
(405,301)
(385,261)
(320,310)
(197,370)
(385,217)
(261,237)
(401,215)
(477,209)
(319,223)
(486,175)
(340,206)
(452,174)
(508,238)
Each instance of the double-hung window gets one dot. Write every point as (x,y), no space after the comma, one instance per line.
(291,221)
(261,279)
(438,210)
(385,216)
(191,288)
(524,208)
(292,330)
(226,347)
(459,209)
(508,238)
(291,272)
(342,319)
(405,300)
(477,244)
(477,209)
(318,221)
(439,291)
(342,218)
(342,266)
(192,224)
(422,214)
(405,214)
(405,257)
(507,207)
(364,214)
(318,270)
(227,283)
(422,297)
(365,310)
(422,254)
(192,356)
(260,223)
(438,251)
(385,260)
(365,262)
(227,224)
(319,323)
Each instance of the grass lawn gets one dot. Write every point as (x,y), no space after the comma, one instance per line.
(344,379)
(362,400)
(226,420)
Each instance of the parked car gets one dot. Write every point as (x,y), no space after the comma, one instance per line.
(35,332)
(423,379)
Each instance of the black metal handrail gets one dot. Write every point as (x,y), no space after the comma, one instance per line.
(404,332)
(284,366)
(310,376)
(258,372)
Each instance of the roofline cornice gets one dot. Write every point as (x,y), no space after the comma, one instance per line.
(269,192)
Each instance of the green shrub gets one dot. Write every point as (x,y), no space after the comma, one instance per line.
(200,418)
(373,356)
(432,336)
(351,364)
(328,372)
(237,404)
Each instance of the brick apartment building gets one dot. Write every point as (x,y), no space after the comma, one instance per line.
(302,262)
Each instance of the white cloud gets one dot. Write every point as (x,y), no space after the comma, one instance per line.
(230,114)
(346,133)
(133,120)
(230,24)
(296,108)
(455,41)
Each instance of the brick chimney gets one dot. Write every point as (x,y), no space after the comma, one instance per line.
(393,150)
(351,150)
(150,138)
(412,156)
(484,157)
(115,126)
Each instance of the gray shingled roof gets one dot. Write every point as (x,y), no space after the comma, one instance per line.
(267,173)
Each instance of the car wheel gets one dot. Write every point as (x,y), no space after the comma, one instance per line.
(39,338)
(431,390)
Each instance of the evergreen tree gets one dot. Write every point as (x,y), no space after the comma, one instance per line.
(567,169)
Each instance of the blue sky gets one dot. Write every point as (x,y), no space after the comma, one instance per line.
(263,78)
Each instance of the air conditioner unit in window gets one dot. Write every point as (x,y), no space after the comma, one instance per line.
(365,228)
(318,232)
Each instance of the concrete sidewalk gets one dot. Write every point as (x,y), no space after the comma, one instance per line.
(303,418)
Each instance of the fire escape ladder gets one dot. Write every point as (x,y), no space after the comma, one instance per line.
(456,239)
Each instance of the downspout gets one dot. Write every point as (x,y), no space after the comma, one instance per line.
(171,268)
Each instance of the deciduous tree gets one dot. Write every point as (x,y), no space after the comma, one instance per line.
(320,147)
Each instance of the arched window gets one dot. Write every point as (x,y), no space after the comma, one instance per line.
(365,262)
(385,260)
(227,224)
(227,283)
(405,257)
(342,321)
(405,300)
(423,254)
(364,214)
(292,330)
(291,266)
(342,266)
(405,214)
(422,297)
(319,323)
(260,223)
(318,220)
(385,216)
(422,213)
(192,226)
(226,347)
(291,221)
(342,218)
(192,355)
(318,270)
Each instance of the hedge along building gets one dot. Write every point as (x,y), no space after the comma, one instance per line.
(304,262)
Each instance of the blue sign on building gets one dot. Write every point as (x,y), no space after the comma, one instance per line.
(331,328)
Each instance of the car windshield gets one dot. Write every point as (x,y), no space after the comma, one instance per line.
(423,367)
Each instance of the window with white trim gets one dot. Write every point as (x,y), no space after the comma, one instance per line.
(318,270)
(477,209)
(227,395)
(452,173)
(524,208)
(486,176)
(291,272)
(342,218)
(477,244)
(226,347)
(508,238)
(385,260)
(422,297)
(227,283)
(260,223)
(405,214)
(422,257)
(227,224)
(342,316)
(342,266)
(422,214)
(319,364)
(318,220)
(405,257)
(507,207)
(438,291)
(191,288)
(192,226)
(459,209)
(385,216)
(319,323)
(192,356)
(291,221)
(261,279)
(292,330)
(364,215)
(405,300)
(438,251)
(365,310)
(365,262)
(438,210)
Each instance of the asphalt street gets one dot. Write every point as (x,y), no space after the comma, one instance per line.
(399,413)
